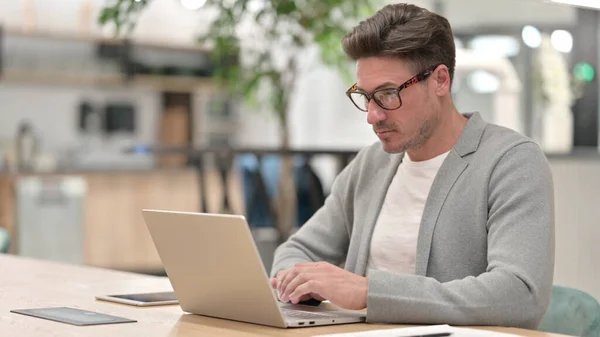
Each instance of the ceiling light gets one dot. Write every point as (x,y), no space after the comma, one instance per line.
(562,40)
(531,36)
(193,4)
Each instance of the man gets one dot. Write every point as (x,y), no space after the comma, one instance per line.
(446,220)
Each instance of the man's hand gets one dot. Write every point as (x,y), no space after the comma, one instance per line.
(322,280)
(306,297)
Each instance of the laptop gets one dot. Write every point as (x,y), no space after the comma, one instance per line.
(215,270)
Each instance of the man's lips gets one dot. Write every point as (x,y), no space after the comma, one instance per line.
(383,132)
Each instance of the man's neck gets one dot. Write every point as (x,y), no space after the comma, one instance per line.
(447,133)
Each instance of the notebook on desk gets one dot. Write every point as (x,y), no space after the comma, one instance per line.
(215,270)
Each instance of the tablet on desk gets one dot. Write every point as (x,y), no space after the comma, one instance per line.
(142,299)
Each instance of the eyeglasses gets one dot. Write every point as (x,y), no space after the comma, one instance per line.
(386,98)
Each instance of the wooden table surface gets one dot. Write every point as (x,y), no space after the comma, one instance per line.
(28,283)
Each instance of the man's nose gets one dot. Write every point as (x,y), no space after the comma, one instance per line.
(375,113)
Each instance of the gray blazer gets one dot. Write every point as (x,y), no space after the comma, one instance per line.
(485,251)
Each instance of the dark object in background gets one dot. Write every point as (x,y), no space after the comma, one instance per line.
(261,183)
(585,109)
(119,117)
(86,113)
(309,192)
(28,146)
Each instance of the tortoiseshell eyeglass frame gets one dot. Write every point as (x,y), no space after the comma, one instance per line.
(411,81)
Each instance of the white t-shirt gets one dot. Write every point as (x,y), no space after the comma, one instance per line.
(394,242)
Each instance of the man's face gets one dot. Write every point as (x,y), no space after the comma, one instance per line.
(412,124)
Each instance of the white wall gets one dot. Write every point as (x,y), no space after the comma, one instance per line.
(576,187)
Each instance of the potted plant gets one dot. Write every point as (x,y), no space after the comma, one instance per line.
(267,37)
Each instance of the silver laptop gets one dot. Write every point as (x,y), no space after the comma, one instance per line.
(215,269)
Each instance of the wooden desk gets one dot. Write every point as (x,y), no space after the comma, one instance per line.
(27,283)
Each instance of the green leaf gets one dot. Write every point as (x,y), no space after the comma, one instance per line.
(285,7)
(106,15)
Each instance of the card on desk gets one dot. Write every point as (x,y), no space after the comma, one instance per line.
(73,316)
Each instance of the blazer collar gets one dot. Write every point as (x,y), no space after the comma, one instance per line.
(470,138)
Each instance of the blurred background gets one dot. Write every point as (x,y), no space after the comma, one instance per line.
(96,124)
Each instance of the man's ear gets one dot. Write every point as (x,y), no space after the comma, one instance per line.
(441,76)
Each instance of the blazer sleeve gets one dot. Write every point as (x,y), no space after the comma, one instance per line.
(515,290)
(326,235)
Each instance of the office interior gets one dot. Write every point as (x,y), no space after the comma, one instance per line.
(95,127)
